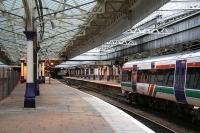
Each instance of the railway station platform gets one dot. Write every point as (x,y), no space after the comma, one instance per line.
(103,82)
(63,109)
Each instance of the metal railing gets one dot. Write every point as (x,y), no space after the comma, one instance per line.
(8,80)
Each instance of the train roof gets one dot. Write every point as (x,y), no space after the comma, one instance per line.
(183,55)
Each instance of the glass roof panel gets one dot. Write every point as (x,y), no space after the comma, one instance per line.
(62,19)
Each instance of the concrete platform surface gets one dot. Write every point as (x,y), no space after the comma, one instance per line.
(110,83)
(62,109)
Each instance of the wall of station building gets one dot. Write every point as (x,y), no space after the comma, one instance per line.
(9,78)
(96,72)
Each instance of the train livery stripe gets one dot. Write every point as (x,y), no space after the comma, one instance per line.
(165,66)
(151,89)
(127,68)
(192,93)
(193,64)
(126,84)
(163,89)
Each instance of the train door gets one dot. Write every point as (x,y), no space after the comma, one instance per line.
(180,78)
(134,78)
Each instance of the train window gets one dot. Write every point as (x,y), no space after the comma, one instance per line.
(143,76)
(139,76)
(152,76)
(193,78)
(159,77)
(91,71)
(198,84)
(126,76)
(162,77)
(170,78)
(165,77)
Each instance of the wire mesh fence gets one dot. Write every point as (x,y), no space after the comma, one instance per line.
(8,80)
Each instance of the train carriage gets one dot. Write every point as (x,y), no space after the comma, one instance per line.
(173,77)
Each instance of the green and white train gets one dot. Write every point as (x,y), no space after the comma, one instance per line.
(174,78)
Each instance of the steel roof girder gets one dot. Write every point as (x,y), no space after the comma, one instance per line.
(29,12)
(128,20)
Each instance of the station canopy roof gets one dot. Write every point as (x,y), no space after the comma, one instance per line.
(64,19)
(171,10)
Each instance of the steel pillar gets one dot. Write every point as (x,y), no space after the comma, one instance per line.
(29,101)
(37,91)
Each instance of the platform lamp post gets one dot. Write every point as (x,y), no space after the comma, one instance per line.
(43,72)
(22,79)
(29,7)
(40,71)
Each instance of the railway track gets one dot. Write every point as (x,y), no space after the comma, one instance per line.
(159,125)
(155,126)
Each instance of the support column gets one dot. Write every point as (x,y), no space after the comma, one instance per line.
(39,73)
(89,72)
(78,72)
(85,72)
(29,101)
(43,72)
(37,77)
(22,71)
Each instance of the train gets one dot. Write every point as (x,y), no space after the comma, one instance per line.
(168,83)
(164,80)
(174,77)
